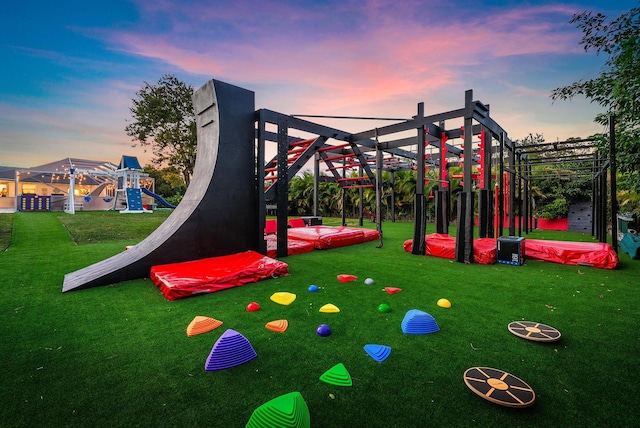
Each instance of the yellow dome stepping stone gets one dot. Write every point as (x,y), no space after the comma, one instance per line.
(279,326)
(283,298)
(201,325)
(329,309)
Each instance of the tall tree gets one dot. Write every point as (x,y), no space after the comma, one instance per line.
(617,88)
(163,119)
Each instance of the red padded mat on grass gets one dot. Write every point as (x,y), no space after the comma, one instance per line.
(324,237)
(595,254)
(179,280)
(294,246)
(441,245)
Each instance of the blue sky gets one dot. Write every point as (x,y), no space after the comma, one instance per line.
(70,69)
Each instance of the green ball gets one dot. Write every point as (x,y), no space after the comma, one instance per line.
(383,308)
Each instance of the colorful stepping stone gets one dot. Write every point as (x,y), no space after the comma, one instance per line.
(286,411)
(535,331)
(384,308)
(337,375)
(283,298)
(499,387)
(230,350)
(346,278)
(323,330)
(392,290)
(329,308)
(253,306)
(419,322)
(378,352)
(444,303)
(279,326)
(313,288)
(201,325)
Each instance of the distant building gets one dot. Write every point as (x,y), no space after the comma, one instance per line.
(46,187)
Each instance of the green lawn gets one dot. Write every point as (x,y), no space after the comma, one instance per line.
(118,355)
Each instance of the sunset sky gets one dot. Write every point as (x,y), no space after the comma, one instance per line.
(70,69)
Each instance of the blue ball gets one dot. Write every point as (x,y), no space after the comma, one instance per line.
(323,330)
(313,288)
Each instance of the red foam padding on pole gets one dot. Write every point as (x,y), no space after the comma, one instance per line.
(442,245)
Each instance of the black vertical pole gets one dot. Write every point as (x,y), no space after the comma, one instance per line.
(393,196)
(420,226)
(512,190)
(594,194)
(519,194)
(379,182)
(464,236)
(361,197)
(260,174)
(282,187)
(613,183)
(316,186)
(500,206)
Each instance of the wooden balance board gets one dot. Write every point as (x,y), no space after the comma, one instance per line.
(534,331)
(499,387)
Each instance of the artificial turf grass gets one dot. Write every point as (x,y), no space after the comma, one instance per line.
(119,355)
(6,227)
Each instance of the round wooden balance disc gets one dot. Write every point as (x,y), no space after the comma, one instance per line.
(534,331)
(499,387)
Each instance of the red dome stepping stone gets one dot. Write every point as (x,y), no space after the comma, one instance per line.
(346,278)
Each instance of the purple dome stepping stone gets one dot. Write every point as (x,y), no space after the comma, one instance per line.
(418,322)
(230,350)
(378,352)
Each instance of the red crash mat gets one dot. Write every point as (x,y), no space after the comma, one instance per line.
(370,234)
(595,254)
(324,237)
(179,280)
(441,245)
(294,246)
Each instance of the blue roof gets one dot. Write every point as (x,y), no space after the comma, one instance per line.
(130,162)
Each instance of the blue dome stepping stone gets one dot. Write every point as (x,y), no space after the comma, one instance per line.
(418,322)
(230,350)
(286,411)
(378,352)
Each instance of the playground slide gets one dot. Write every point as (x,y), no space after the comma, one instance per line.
(157,197)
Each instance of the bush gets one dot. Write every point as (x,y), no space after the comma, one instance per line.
(559,208)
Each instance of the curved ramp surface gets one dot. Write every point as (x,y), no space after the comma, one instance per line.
(219,212)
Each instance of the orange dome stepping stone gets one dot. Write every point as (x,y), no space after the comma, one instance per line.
(329,309)
(279,326)
(201,325)
(283,298)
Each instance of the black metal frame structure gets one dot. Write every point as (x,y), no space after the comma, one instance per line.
(231,167)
